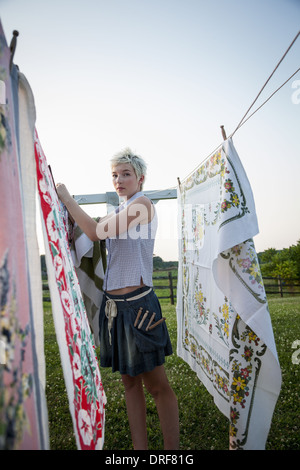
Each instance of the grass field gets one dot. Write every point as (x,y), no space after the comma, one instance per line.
(202,426)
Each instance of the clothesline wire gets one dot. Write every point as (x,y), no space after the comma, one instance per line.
(239,126)
(257,109)
(265,84)
(242,121)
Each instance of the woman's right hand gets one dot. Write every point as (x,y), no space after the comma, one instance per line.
(63,193)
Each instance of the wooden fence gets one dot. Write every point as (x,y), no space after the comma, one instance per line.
(171,288)
(277,285)
(273,285)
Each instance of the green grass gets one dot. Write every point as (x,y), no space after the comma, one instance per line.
(202,426)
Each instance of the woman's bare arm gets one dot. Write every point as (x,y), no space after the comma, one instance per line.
(139,211)
(87,224)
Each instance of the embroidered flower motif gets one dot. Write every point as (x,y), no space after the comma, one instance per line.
(66,300)
(76,366)
(47,199)
(235,200)
(229,186)
(225,311)
(85,428)
(245,373)
(58,265)
(199,297)
(75,327)
(201,312)
(246,263)
(224,206)
(238,383)
(43,186)
(223,321)
(51,227)
(248,353)
(254,270)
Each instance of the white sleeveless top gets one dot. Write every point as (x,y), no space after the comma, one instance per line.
(130,255)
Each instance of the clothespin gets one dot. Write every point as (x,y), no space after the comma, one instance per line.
(151,320)
(157,323)
(13,45)
(223,133)
(138,316)
(143,319)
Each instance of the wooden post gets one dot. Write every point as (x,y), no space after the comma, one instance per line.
(171,288)
(280,286)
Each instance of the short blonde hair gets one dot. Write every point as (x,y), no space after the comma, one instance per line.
(127,156)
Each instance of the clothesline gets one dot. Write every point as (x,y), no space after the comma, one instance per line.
(282,58)
(257,109)
(243,120)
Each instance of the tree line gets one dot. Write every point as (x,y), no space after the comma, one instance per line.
(284,263)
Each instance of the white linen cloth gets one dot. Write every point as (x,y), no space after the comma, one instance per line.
(27,117)
(224,327)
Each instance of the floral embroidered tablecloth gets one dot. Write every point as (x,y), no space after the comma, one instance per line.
(77,350)
(224,327)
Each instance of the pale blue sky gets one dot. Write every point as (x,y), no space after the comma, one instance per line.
(161,76)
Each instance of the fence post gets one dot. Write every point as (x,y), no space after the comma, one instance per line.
(171,288)
(279,285)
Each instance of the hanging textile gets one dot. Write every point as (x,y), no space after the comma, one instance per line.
(89,259)
(77,350)
(23,411)
(224,327)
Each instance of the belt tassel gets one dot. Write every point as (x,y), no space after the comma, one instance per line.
(111,313)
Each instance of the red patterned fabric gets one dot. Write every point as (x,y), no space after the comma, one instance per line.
(77,349)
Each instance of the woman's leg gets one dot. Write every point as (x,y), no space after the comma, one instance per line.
(136,410)
(158,386)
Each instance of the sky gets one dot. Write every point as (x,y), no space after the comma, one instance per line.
(161,77)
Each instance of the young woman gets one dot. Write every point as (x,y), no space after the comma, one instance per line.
(133,335)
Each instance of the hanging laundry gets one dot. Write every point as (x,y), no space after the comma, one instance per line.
(224,327)
(23,410)
(89,259)
(77,350)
